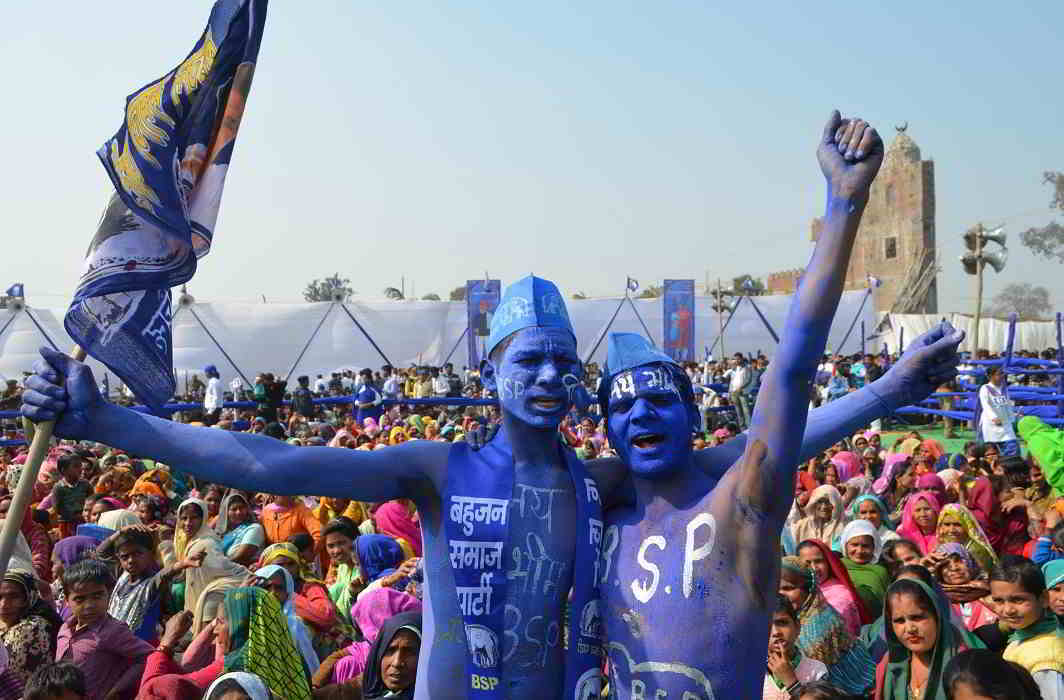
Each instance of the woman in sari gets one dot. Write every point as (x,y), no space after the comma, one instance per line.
(392,668)
(957,573)
(895,483)
(242,537)
(396,518)
(193,536)
(370,613)
(824,635)
(251,636)
(28,624)
(861,551)
(957,524)
(344,578)
(834,582)
(36,537)
(874,510)
(279,582)
(919,519)
(824,516)
(920,642)
(377,556)
(311,598)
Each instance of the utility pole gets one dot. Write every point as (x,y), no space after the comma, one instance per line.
(720,318)
(976,239)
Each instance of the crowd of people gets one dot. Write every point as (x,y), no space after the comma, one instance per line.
(906,568)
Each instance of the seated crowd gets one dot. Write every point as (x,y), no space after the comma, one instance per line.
(909,572)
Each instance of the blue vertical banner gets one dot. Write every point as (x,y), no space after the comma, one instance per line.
(482,298)
(679,319)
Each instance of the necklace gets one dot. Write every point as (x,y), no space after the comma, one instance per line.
(915,691)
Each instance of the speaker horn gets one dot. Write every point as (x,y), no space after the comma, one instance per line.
(997,260)
(338,296)
(998,235)
(186,299)
(969,261)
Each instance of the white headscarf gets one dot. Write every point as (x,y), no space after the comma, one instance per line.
(254,686)
(859,528)
(216,568)
(118,519)
(296,628)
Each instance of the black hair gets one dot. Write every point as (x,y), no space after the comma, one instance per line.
(274,430)
(905,586)
(137,538)
(1017,472)
(227,685)
(784,605)
(818,690)
(1014,568)
(86,571)
(989,675)
(52,680)
(919,571)
(67,461)
(343,525)
(301,541)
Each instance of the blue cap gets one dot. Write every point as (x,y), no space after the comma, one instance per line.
(625,351)
(528,303)
(210,370)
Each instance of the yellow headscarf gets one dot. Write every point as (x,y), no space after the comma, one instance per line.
(286,550)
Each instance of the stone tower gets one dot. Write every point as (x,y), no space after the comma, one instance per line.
(896,240)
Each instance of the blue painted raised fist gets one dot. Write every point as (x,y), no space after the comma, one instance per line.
(64,390)
(850,153)
(928,363)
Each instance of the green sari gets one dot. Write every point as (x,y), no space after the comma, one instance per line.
(259,643)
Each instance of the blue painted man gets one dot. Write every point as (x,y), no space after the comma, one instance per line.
(508,531)
(368,398)
(690,562)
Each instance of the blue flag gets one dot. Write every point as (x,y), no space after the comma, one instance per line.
(15,290)
(168,163)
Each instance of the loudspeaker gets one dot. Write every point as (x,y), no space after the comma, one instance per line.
(997,260)
(969,261)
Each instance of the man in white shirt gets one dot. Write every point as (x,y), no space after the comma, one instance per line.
(320,386)
(440,384)
(998,414)
(739,379)
(212,397)
(392,385)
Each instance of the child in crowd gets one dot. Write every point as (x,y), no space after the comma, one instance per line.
(56,682)
(137,597)
(107,652)
(787,668)
(69,494)
(980,673)
(1018,589)
(1054,573)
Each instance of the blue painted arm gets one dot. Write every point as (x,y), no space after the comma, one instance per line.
(64,390)
(930,361)
(850,154)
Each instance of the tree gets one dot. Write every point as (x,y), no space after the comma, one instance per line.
(1048,241)
(326,289)
(748,286)
(431,297)
(652,292)
(394,294)
(458,293)
(1030,303)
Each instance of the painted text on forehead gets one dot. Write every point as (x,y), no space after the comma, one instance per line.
(643,380)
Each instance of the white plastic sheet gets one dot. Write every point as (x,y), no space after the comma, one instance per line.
(993,333)
(269,337)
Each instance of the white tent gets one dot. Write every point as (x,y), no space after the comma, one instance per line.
(269,337)
(993,333)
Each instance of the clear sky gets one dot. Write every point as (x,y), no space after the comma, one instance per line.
(580,141)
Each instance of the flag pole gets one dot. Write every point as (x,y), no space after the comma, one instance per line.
(20,500)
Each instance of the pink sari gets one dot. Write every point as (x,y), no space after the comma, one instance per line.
(911,531)
(369,613)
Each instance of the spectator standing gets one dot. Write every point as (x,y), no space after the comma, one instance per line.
(998,414)
(212,396)
(739,381)
(303,398)
(368,400)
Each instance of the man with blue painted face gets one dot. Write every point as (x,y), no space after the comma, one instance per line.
(511,532)
(690,562)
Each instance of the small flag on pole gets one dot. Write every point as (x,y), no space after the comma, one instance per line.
(633,284)
(168,163)
(16,290)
